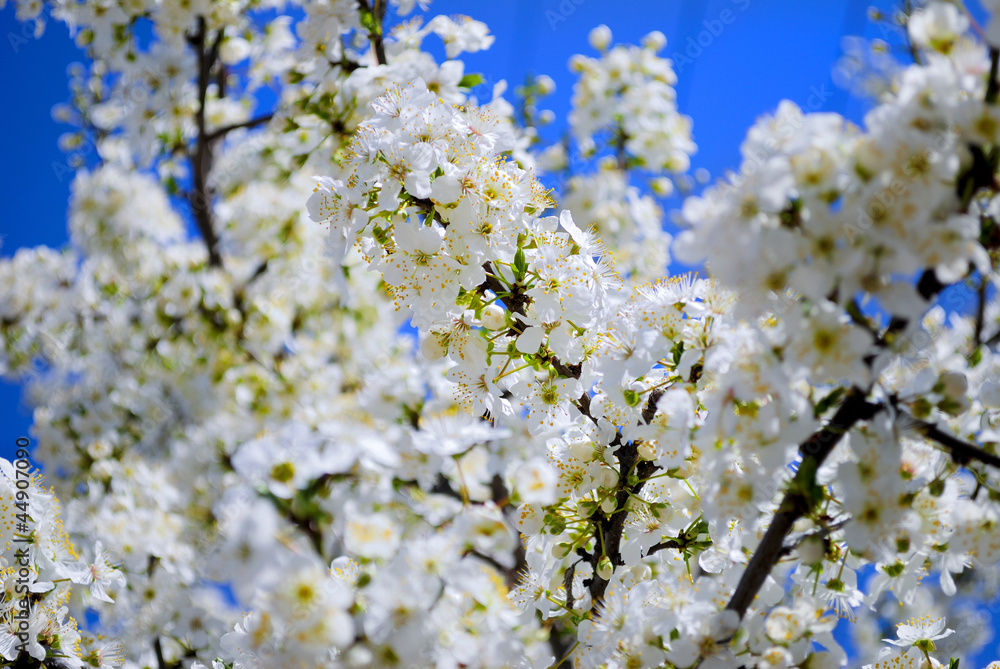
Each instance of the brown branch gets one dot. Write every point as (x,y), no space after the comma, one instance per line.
(201,161)
(992,341)
(822,533)
(489,559)
(613,527)
(158,648)
(257,273)
(621,157)
(962,452)
(442,486)
(515,300)
(583,404)
(309,528)
(796,503)
(977,336)
(993,87)
(220,80)
(377,14)
(664,545)
(219,133)
(501,497)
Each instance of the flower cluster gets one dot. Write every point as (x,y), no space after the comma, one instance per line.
(629,93)
(574,457)
(625,113)
(39,566)
(629,223)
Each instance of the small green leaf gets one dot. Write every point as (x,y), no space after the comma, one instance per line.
(520,265)
(831,398)
(471,80)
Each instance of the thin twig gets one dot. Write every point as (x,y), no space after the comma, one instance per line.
(993,86)
(219,133)
(977,336)
(962,452)
(795,504)
(158,647)
(664,545)
(822,533)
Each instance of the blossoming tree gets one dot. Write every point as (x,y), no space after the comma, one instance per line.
(570,456)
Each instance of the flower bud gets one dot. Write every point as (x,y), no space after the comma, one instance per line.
(955,384)
(685,470)
(545,84)
(811,550)
(605,568)
(654,40)
(62,113)
(600,37)
(494,317)
(609,504)
(102,470)
(559,551)
(358,656)
(662,186)
(989,395)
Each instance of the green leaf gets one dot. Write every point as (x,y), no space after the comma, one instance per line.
(471,80)
(676,352)
(520,265)
(804,485)
(831,398)
(368,21)
(976,357)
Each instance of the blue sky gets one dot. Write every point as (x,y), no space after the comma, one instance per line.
(740,58)
(744,57)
